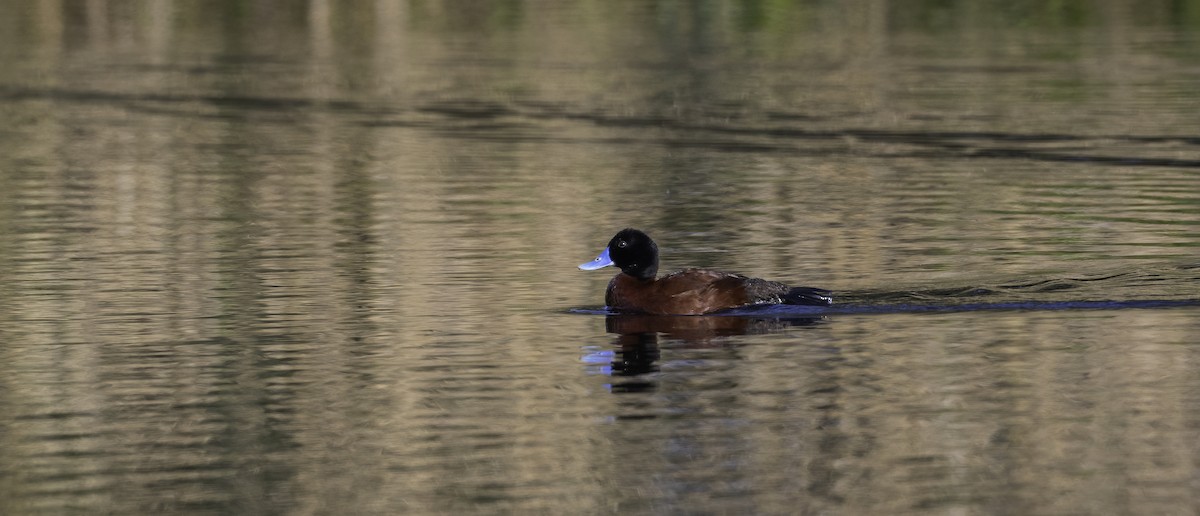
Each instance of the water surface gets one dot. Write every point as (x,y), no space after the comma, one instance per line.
(320,258)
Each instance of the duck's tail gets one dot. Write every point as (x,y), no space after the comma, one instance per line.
(808,296)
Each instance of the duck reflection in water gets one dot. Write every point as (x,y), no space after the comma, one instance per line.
(637,349)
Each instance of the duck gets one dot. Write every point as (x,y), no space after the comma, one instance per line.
(639,289)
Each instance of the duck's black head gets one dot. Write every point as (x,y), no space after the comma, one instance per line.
(633,251)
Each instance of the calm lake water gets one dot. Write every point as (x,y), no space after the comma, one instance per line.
(319,257)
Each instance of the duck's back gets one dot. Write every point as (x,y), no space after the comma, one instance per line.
(691,292)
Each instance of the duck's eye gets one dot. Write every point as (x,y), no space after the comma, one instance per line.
(622,244)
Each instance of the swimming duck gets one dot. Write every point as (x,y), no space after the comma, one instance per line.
(687,292)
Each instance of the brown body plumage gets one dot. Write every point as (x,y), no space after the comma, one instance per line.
(690,292)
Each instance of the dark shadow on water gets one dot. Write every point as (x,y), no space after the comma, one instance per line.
(526,121)
(925,306)
(1141,288)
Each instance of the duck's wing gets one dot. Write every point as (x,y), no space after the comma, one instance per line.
(732,290)
(699,291)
